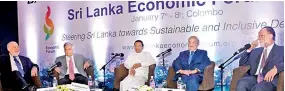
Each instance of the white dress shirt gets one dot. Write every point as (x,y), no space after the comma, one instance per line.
(67,61)
(260,61)
(13,64)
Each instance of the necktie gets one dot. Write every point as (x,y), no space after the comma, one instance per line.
(71,69)
(190,57)
(19,66)
(264,57)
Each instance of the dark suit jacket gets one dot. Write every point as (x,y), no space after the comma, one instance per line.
(275,58)
(200,60)
(9,79)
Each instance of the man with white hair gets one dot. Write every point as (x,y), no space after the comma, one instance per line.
(13,67)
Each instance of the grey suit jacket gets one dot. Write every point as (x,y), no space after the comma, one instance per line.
(79,61)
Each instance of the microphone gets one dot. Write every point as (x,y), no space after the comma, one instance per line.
(168,50)
(58,64)
(247,46)
(118,54)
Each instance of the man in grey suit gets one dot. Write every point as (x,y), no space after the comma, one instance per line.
(266,62)
(73,65)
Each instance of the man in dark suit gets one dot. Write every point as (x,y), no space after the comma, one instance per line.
(13,67)
(266,62)
(73,66)
(190,64)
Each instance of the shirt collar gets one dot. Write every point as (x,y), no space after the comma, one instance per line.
(12,55)
(270,47)
(69,57)
(193,51)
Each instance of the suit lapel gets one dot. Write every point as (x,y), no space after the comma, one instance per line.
(187,57)
(75,60)
(23,63)
(65,62)
(259,54)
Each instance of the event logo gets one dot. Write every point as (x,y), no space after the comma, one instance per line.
(31,2)
(49,23)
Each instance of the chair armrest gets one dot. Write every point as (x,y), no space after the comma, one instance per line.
(90,72)
(170,75)
(120,73)
(237,74)
(280,85)
(0,85)
(150,73)
(37,81)
(56,75)
(208,79)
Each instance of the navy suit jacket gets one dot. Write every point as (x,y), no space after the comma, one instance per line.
(275,58)
(9,79)
(200,60)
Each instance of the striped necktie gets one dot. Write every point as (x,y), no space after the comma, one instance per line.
(19,66)
(71,69)
(190,57)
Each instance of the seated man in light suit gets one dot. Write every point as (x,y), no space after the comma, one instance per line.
(266,62)
(73,65)
(190,64)
(138,63)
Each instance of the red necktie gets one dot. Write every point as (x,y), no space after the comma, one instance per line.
(71,69)
(260,76)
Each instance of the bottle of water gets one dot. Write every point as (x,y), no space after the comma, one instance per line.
(90,82)
(164,84)
(96,83)
(54,83)
(180,83)
(152,82)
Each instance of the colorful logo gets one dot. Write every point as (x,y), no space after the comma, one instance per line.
(49,23)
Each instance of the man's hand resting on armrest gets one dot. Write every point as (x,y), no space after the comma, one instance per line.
(135,66)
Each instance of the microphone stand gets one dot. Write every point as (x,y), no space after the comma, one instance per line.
(104,70)
(163,65)
(163,61)
(222,67)
(49,77)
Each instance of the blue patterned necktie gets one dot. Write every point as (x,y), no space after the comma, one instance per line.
(19,66)
(190,57)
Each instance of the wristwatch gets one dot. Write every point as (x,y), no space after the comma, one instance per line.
(197,69)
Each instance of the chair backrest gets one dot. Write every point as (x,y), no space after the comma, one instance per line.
(0,85)
(150,73)
(208,79)
(237,74)
(169,79)
(120,73)
(280,84)
(90,72)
